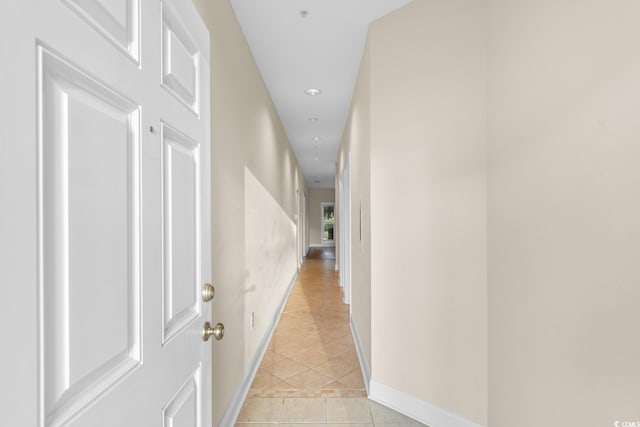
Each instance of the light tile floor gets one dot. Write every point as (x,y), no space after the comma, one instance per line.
(319,411)
(312,353)
(310,375)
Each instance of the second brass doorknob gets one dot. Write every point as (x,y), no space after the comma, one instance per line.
(216,331)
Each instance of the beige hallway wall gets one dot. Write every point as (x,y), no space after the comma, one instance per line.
(562,238)
(428,204)
(564,228)
(255,185)
(356,146)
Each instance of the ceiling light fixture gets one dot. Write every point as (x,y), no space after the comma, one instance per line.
(313,92)
(316,138)
(316,158)
(313,119)
(304,13)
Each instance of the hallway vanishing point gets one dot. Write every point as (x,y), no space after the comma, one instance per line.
(310,374)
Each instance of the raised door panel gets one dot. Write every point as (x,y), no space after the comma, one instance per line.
(89,237)
(181,241)
(183,410)
(180,60)
(116,20)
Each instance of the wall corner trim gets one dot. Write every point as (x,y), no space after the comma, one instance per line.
(235,406)
(364,364)
(415,408)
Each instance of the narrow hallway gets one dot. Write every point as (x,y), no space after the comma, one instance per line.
(310,372)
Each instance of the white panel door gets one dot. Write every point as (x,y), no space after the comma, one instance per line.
(105,242)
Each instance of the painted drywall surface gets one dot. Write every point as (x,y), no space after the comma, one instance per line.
(356,141)
(428,204)
(317,196)
(564,228)
(250,157)
(269,234)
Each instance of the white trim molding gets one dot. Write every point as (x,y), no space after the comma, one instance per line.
(330,244)
(364,364)
(415,408)
(235,406)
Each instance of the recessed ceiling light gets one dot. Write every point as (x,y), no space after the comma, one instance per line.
(316,158)
(313,92)
(313,119)
(304,13)
(316,138)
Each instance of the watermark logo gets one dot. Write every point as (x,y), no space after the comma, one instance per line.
(626,424)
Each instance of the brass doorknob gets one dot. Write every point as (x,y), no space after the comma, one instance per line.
(216,331)
(208,292)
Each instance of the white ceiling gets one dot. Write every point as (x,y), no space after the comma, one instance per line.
(320,51)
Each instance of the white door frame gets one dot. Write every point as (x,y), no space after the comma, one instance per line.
(298,228)
(345,230)
(340,242)
(304,225)
(326,242)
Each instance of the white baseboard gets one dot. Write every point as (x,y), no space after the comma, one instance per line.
(415,408)
(322,245)
(364,364)
(235,406)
